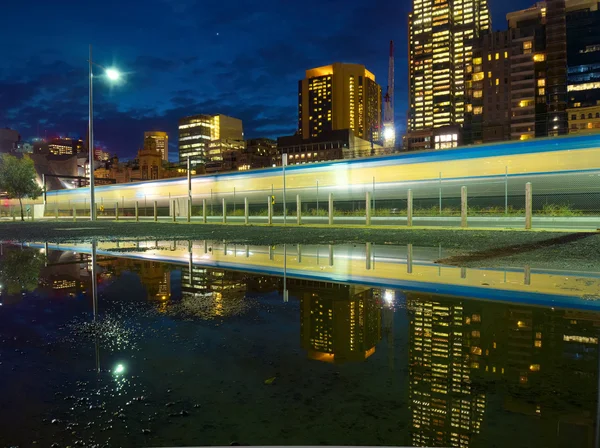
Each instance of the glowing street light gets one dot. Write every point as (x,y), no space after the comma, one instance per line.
(119,369)
(112,74)
(389,133)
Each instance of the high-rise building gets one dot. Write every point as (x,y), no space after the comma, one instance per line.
(441,37)
(556,67)
(583,57)
(487,117)
(507,81)
(162,142)
(337,97)
(204,138)
(583,52)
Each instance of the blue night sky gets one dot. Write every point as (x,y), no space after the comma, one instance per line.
(182,57)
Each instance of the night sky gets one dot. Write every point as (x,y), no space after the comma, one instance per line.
(182,57)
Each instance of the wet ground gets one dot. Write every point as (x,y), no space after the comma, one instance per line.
(206,343)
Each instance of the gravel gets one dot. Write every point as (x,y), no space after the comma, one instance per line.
(473,248)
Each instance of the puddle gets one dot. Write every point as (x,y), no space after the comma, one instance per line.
(165,343)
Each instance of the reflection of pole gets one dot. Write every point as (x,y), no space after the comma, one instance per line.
(94,281)
(317,198)
(506,191)
(285,291)
(97,354)
(191,263)
(598,405)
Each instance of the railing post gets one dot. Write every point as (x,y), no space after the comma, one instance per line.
(174,214)
(116,211)
(269,210)
(299,252)
(298,210)
(368,208)
(137,212)
(204,211)
(330,209)
(409,209)
(368,252)
(155,211)
(189,209)
(56,210)
(246,211)
(463,206)
(528,205)
(409,258)
(224,211)
(331,255)
(74,214)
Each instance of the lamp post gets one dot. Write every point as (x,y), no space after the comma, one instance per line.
(112,75)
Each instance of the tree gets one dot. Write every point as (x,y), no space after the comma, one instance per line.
(20,270)
(18,178)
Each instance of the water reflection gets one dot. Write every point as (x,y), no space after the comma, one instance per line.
(338,323)
(511,361)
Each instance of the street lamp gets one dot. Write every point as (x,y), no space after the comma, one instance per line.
(112,75)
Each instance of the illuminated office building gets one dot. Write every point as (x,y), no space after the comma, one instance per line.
(337,97)
(62,146)
(441,39)
(162,142)
(204,138)
(583,52)
(338,323)
(488,109)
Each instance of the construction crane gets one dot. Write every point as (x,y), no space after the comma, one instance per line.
(389,131)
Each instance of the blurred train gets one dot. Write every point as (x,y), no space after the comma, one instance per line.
(569,163)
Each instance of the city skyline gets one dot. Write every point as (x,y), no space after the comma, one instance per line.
(259,86)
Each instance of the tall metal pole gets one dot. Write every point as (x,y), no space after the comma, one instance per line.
(91,144)
(506,191)
(283,164)
(189,180)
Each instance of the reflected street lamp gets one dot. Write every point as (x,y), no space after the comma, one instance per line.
(112,75)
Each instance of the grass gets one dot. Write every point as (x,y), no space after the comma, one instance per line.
(549,210)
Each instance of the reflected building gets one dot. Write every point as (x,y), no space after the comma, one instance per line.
(539,363)
(65,273)
(210,293)
(338,323)
(154,276)
(445,410)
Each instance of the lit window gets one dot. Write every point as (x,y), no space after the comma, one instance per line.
(534,367)
(506,54)
(489,57)
(497,56)
(542,91)
(541,57)
(527,45)
(478,76)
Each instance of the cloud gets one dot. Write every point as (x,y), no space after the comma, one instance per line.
(176,65)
